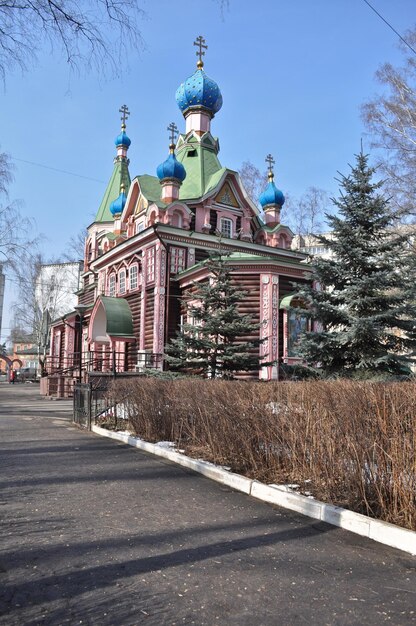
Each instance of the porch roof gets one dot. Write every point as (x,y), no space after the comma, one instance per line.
(119,319)
(111,319)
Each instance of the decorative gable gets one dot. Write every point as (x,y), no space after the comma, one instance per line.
(226,196)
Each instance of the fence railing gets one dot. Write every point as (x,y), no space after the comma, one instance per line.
(90,400)
(114,362)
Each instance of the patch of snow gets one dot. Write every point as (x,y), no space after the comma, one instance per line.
(168,445)
(224,467)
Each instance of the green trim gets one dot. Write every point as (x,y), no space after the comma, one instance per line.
(119,317)
(276,228)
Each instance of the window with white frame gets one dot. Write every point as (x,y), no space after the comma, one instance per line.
(122,281)
(133,277)
(112,285)
(226,227)
(150,264)
(139,227)
(177,259)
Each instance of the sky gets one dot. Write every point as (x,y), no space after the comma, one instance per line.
(293,75)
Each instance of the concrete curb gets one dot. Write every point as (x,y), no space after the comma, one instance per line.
(382,532)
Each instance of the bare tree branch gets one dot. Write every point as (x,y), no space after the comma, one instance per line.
(253,180)
(90,33)
(391,121)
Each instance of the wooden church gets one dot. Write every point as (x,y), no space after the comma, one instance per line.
(149,242)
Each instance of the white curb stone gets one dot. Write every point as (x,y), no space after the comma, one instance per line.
(337,516)
(393,536)
(292,501)
(383,532)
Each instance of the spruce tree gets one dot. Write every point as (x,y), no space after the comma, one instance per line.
(366,307)
(211,343)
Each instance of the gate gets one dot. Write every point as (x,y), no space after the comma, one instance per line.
(82,405)
(89,401)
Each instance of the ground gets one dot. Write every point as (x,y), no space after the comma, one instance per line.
(96,532)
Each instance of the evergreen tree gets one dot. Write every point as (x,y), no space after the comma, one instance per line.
(212,341)
(366,308)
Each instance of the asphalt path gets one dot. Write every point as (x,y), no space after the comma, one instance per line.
(96,532)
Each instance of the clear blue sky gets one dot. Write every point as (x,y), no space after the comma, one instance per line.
(293,74)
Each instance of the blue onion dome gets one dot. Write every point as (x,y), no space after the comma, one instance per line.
(122,139)
(271,195)
(117,206)
(199,91)
(171,168)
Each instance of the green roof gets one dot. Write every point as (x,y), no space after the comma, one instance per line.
(151,189)
(215,179)
(119,318)
(201,164)
(119,177)
(275,229)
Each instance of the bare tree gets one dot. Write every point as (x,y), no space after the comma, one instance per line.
(16,231)
(253,180)
(74,250)
(307,214)
(92,33)
(45,293)
(391,120)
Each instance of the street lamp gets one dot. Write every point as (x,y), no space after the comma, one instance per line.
(80,309)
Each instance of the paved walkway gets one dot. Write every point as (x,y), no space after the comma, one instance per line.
(95,532)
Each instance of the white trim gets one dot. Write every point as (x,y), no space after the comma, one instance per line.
(382,532)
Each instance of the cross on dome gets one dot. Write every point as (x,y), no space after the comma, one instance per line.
(173,133)
(270,161)
(271,197)
(201,44)
(124,114)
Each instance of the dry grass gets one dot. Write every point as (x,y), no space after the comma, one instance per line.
(349,443)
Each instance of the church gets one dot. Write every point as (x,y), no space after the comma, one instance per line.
(149,242)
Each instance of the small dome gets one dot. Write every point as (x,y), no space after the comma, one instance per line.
(171,168)
(199,91)
(271,195)
(122,140)
(117,206)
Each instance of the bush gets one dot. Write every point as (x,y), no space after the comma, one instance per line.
(350,443)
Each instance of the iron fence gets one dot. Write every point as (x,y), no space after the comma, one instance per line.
(90,401)
(82,405)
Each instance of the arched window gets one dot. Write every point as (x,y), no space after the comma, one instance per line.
(133,277)
(112,285)
(177,219)
(122,281)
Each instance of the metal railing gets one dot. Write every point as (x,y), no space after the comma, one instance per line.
(110,363)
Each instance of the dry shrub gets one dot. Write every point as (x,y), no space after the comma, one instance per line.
(349,443)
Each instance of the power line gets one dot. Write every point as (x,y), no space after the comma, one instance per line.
(55,169)
(390,26)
